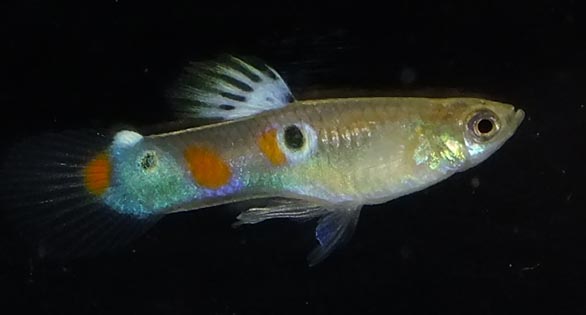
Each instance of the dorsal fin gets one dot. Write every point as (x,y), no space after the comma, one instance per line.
(229,88)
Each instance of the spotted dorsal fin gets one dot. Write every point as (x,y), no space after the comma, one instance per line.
(229,88)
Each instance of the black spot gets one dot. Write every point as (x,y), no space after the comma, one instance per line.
(227,107)
(240,68)
(149,160)
(235,83)
(485,126)
(294,137)
(234,97)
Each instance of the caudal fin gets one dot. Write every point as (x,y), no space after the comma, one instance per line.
(52,188)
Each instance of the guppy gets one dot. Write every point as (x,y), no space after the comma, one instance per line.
(306,159)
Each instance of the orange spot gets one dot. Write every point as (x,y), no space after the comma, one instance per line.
(207,167)
(267,142)
(97,174)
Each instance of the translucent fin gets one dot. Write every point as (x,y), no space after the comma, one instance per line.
(281,209)
(229,88)
(53,198)
(335,226)
(333,229)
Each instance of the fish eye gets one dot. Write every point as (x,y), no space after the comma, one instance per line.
(297,141)
(483,125)
(148,161)
(294,137)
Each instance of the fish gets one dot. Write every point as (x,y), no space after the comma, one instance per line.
(82,191)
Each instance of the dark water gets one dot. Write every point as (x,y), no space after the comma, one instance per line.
(507,237)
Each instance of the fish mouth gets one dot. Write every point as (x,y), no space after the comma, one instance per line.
(514,121)
(518,117)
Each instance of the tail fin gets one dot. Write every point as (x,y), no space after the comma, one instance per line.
(52,188)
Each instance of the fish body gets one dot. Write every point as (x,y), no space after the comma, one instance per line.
(308,158)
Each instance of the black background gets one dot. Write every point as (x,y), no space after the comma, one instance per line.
(516,244)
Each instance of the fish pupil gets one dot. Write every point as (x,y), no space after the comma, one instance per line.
(294,137)
(485,126)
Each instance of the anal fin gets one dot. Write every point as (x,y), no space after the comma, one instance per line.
(333,229)
(335,226)
(281,209)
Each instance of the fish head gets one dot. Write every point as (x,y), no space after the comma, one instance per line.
(486,125)
(455,134)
